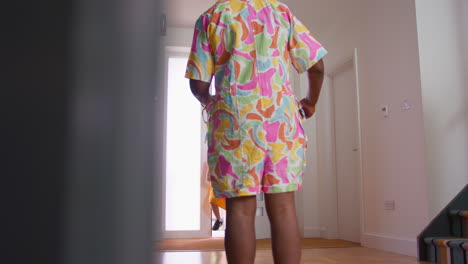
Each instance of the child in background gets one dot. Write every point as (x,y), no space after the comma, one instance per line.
(216,203)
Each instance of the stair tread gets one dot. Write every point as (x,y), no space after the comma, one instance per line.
(454,212)
(457,243)
(444,242)
(429,239)
(433,240)
(463,213)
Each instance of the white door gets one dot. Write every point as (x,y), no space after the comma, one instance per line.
(186,209)
(347,152)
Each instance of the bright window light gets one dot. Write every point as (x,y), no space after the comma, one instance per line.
(183,147)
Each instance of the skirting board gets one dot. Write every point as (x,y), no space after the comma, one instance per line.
(310,231)
(399,245)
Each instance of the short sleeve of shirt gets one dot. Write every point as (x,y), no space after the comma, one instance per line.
(200,65)
(304,49)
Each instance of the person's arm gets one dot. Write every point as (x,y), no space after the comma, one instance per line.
(206,171)
(201,90)
(315,75)
(208,176)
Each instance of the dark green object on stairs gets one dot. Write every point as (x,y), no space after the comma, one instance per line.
(445,239)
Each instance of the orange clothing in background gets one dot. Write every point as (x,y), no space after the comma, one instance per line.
(220,202)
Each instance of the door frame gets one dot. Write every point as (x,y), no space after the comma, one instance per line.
(205,211)
(349,61)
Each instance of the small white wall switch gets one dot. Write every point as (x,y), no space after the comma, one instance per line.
(385,111)
(389,205)
(405,105)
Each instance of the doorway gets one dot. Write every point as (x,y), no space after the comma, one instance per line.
(347,149)
(186,213)
(187,210)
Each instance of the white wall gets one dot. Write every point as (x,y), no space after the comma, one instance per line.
(392,148)
(443,57)
(178,37)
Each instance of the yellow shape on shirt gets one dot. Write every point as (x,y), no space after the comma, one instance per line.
(277,150)
(254,155)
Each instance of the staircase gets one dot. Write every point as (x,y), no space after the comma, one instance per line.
(445,239)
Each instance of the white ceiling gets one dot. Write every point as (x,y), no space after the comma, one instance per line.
(318,15)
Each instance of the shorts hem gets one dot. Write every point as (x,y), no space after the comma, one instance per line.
(251,191)
(282,188)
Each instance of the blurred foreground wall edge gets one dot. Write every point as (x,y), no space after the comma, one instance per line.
(79,83)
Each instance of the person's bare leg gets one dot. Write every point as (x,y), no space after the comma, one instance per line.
(239,240)
(285,236)
(215,209)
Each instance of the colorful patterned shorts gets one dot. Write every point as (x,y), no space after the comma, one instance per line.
(261,153)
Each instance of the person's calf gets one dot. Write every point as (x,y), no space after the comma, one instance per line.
(240,230)
(284,228)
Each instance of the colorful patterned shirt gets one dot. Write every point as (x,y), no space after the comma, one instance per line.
(248,46)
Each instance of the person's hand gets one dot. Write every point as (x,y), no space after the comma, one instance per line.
(308,107)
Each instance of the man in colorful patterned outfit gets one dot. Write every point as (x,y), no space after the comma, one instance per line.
(256,142)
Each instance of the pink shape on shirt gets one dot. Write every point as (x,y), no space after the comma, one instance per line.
(281,169)
(272,131)
(225,167)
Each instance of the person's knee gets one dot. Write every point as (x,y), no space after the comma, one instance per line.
(242,206)
(280,203)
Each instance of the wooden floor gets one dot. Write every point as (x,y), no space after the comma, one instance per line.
(356,255)
(217,243)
